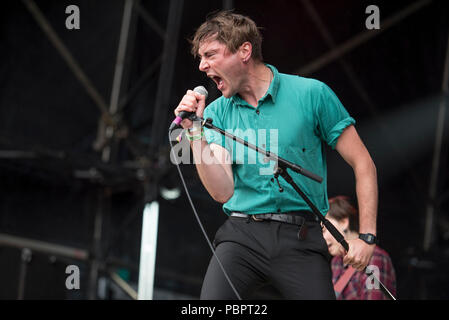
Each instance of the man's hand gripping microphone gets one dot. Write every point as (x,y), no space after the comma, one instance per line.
(187,114)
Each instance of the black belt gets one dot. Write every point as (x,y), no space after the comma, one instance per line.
(296,217)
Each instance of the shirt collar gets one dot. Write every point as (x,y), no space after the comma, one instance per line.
(271,92)
(274,85)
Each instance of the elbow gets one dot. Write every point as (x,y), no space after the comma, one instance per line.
(223,192)
(366,167)
(223,197)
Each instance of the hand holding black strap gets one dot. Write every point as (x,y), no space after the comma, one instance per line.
(336,234)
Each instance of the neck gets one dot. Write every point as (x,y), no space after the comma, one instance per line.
(256,83)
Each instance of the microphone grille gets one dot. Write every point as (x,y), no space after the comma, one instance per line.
(201,90)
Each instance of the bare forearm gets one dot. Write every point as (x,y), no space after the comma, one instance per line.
(367,196)
(212,170)
(215,173)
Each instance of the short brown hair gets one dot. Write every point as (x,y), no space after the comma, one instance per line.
(340,208)
(230,29)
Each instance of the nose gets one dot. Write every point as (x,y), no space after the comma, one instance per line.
(203,65)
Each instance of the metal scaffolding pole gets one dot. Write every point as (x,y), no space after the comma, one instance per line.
(159,123)
(353,77)
(97,256)
(44,247)
(108,123)
(106,138)
(359,39)
(432,195)
(28,246)
(69,59)
(147,74)
(151,21)
(228,4)
(127,32)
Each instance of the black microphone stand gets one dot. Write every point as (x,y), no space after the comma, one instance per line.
(281,170)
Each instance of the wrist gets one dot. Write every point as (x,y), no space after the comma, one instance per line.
(193,134)
(196,126)
(194,130)
(369,238)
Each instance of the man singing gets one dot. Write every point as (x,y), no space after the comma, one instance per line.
(270,236)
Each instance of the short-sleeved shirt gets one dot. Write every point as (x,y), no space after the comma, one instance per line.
(293,119)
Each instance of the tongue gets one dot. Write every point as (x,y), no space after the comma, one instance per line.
(220,84)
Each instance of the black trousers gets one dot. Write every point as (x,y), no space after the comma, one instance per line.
(255,253)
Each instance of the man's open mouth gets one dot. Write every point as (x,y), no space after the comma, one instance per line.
(218,81)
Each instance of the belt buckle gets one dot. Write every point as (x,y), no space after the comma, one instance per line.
(253,216)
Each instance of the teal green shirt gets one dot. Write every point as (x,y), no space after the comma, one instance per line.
(294,119)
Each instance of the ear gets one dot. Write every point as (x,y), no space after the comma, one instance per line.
(245,51)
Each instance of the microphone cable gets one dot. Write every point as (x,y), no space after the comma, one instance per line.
(198,218)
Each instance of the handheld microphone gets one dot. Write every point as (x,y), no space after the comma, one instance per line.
(186,114)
